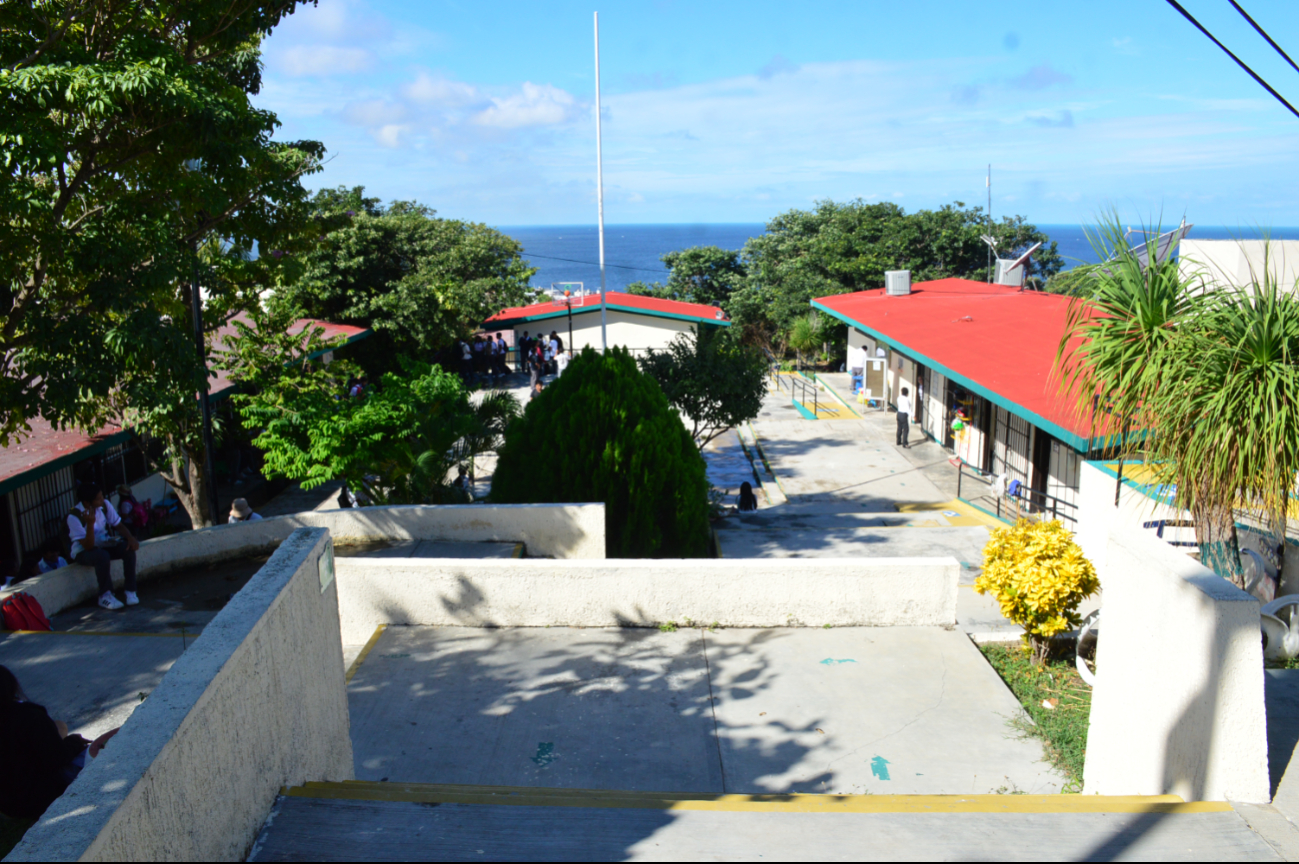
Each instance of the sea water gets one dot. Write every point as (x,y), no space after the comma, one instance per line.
(633,253)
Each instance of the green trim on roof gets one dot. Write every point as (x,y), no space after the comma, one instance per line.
(45,469)
(1074,440)
(563,313)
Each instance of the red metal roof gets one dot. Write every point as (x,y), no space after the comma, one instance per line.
(46,445)
(998,341)
(221,379)
(634,303)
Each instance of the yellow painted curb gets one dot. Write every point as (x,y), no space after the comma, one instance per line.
(365,652)
(428,793)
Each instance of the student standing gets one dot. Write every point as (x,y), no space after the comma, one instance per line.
(904,418)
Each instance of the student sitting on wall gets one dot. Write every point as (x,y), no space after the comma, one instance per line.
(51,560)
(92,544)
(40,758)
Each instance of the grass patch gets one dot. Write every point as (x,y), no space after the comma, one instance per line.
(11,831)
(1062,728)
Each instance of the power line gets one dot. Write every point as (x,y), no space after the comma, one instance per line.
(1263,33)
(527,254)
(1239,62)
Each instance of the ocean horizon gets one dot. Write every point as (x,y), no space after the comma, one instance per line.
(570,253)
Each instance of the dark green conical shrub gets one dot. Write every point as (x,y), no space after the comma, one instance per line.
(605,432)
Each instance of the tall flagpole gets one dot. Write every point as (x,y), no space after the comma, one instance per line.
(599,186)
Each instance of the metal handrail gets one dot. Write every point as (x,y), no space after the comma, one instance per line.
(798,389)
(1048,502)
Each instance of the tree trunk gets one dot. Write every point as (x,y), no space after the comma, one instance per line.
(187,478)
(1041,648)
(1215,532)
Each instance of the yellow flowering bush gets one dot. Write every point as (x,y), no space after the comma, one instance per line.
(1039,576)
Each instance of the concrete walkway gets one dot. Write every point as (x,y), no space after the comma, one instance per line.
(846,710)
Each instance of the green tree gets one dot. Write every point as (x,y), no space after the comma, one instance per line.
(808,333)
(398,444)
(713,379)
(419,281)
(840,248)
(700,274)
(129,140)
(605,432)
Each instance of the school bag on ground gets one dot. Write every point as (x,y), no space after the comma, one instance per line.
(21,611)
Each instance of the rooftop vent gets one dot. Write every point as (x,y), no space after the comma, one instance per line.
(897,283)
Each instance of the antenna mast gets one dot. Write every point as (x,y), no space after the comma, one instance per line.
(987,183)
(599,187)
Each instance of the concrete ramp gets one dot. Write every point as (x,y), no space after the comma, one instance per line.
(406,822)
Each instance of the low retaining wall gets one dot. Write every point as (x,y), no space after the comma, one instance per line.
(751,592)
(257,702)
(557,530)
(1178,704)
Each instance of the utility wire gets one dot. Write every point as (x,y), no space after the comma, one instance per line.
(1239,62)
(1263,33)
(527,254)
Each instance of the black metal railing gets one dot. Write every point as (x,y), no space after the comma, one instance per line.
(805,393)
(1027,501)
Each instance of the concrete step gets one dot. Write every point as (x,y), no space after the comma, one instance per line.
(358,821)
(849,540)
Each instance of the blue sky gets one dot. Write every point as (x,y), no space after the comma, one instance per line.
(734,112)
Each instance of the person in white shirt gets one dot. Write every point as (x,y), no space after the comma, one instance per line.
(93,546)
(856,363)
(904,417)
(241,512)
(562,360)
(51,560)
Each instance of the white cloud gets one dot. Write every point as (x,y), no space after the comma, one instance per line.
(533,105)
(441,92)
(391,135)
(317,60)
(374,112)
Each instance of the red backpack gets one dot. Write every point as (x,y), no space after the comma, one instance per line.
(21,611)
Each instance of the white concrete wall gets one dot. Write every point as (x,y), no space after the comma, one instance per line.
(1235,262)
(1097,514)
(558,530)
(750,592)
(258,702)
(1178,704)
(625,329)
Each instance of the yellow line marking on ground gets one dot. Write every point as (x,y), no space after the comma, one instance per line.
(365,652)
(792,803)
(969,515)
(518,551)
(188,634)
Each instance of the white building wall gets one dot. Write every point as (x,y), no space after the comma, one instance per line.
(934,408)
(624,329)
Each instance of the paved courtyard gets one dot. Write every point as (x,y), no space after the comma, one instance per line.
(845,710)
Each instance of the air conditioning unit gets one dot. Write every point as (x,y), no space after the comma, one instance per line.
(897,283)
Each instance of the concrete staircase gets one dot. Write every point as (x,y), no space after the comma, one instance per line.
(361,821)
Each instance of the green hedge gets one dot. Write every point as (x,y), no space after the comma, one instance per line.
(605,432)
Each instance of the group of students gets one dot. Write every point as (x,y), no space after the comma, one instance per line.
(483,356)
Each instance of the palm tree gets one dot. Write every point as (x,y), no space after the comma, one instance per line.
(1198,382)
(807,333)
(1228,432)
